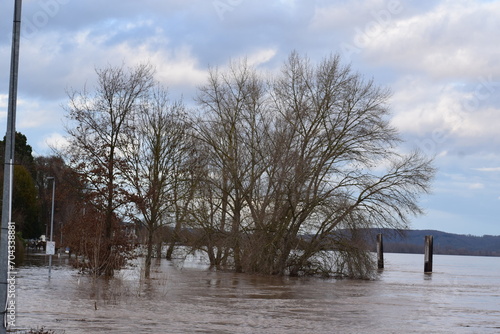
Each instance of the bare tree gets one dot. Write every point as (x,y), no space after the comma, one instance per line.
(156,164)
(99,129)
(232,102)
(342,168)
(302,163)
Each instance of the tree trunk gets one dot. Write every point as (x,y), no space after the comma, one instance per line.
(159,247)
(175,238)
(149,254)
(170,250)
(236,239)
(108,260)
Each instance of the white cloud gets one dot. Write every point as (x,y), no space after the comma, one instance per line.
(461,185)
(452,40)
(58,60)
(445,112)
(488,169)
(32,114)
(261,56)
(4,102)
(54,140)
(357,15)
(442,56)
(175,67)
(434,55)
(476,186)
(421,107)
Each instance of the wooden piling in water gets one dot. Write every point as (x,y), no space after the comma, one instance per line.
(428,254)
(380,251)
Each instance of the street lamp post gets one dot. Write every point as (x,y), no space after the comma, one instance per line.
(51,221)
(9,168)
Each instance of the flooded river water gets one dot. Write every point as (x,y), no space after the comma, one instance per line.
(461,296)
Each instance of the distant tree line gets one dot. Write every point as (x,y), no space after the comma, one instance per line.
(262,161)
(32,193)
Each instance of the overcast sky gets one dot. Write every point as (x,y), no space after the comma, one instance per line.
(439,58)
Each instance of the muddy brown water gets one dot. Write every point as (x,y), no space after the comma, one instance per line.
(461,296)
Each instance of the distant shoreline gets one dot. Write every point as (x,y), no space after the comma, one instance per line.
(412,242)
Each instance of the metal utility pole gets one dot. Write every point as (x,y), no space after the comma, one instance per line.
(9,165)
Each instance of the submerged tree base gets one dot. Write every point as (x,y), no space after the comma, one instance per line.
(349,263)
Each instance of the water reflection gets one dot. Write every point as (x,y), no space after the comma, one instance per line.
(189,298)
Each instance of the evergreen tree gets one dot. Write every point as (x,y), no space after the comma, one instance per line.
(25,208)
